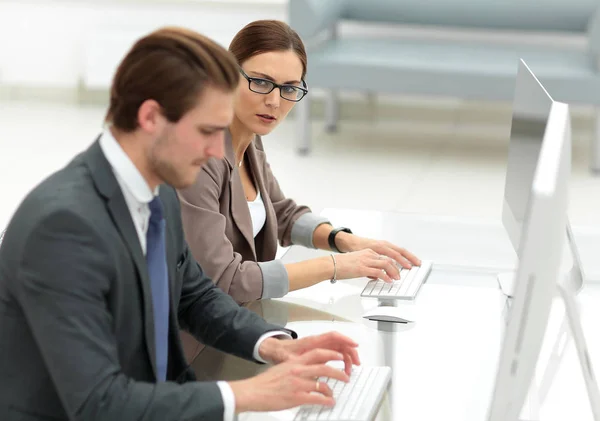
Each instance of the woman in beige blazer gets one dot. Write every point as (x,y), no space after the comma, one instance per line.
(236,212)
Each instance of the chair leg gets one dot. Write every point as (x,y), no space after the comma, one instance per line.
(332,111)
(303,121)
(595,145)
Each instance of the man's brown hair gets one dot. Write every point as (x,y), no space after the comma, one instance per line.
(171,66)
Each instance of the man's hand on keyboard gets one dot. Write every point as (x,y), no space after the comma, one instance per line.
(290,384)
(281,350)
(350,242)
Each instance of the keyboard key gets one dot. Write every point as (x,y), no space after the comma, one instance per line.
(406,288)
(356,400)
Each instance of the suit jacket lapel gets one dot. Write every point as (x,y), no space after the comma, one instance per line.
(172,260)
(239,206)
(107,185)
(269,247)
(173,371)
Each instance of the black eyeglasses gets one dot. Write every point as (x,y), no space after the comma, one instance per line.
(265,86)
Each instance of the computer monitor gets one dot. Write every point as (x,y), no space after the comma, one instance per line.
(541,245)
(531,110)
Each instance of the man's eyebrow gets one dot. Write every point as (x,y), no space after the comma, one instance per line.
(266,76)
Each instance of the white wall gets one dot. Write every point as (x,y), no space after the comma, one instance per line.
(57,43)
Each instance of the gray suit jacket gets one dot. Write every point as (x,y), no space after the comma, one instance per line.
(76,324)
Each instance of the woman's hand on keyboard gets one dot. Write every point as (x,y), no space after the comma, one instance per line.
(366,263)
(351,242)
(290,384)
(282,350)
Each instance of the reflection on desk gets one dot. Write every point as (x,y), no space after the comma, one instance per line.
(210,364)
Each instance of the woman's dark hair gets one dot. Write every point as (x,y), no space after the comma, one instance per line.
(263,36)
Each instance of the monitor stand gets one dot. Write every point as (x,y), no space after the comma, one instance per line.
(572,313)
(537,394)
(506,282)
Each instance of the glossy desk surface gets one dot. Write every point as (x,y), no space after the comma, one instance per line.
(444,364)
(456,241)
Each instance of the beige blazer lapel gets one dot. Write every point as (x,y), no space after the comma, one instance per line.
(257,158)
(240,212)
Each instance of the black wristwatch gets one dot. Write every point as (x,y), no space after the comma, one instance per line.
(331,239)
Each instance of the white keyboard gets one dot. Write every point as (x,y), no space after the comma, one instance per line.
(406,288)
(357,400)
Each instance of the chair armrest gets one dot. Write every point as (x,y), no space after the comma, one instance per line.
(593,32)
(310,17)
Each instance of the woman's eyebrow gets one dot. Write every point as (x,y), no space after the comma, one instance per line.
(266,76)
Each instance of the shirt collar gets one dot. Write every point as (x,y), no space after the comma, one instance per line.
(124,168)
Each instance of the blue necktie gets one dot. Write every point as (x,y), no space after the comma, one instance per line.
(156,257)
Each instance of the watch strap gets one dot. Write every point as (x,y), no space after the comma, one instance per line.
(331,238)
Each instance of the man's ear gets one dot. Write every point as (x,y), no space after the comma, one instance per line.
(150,117)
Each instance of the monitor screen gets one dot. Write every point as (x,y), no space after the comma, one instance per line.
(531,109)
(543,239)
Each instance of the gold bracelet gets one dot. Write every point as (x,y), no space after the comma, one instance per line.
(334,279)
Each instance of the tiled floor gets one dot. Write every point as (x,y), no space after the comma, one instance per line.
(438,161)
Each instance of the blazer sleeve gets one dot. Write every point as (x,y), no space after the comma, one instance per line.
(215,319)
(204,228)
(64,274)
(295,223)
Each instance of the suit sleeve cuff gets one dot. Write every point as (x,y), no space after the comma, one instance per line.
(275,279)
(277,333)
(228,401)
(304,227)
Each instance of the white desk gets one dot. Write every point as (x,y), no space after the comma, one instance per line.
(455,241)
(444,364)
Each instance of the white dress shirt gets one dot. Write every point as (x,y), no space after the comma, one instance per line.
(137,196)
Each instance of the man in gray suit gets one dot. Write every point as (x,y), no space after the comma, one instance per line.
(96,277)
